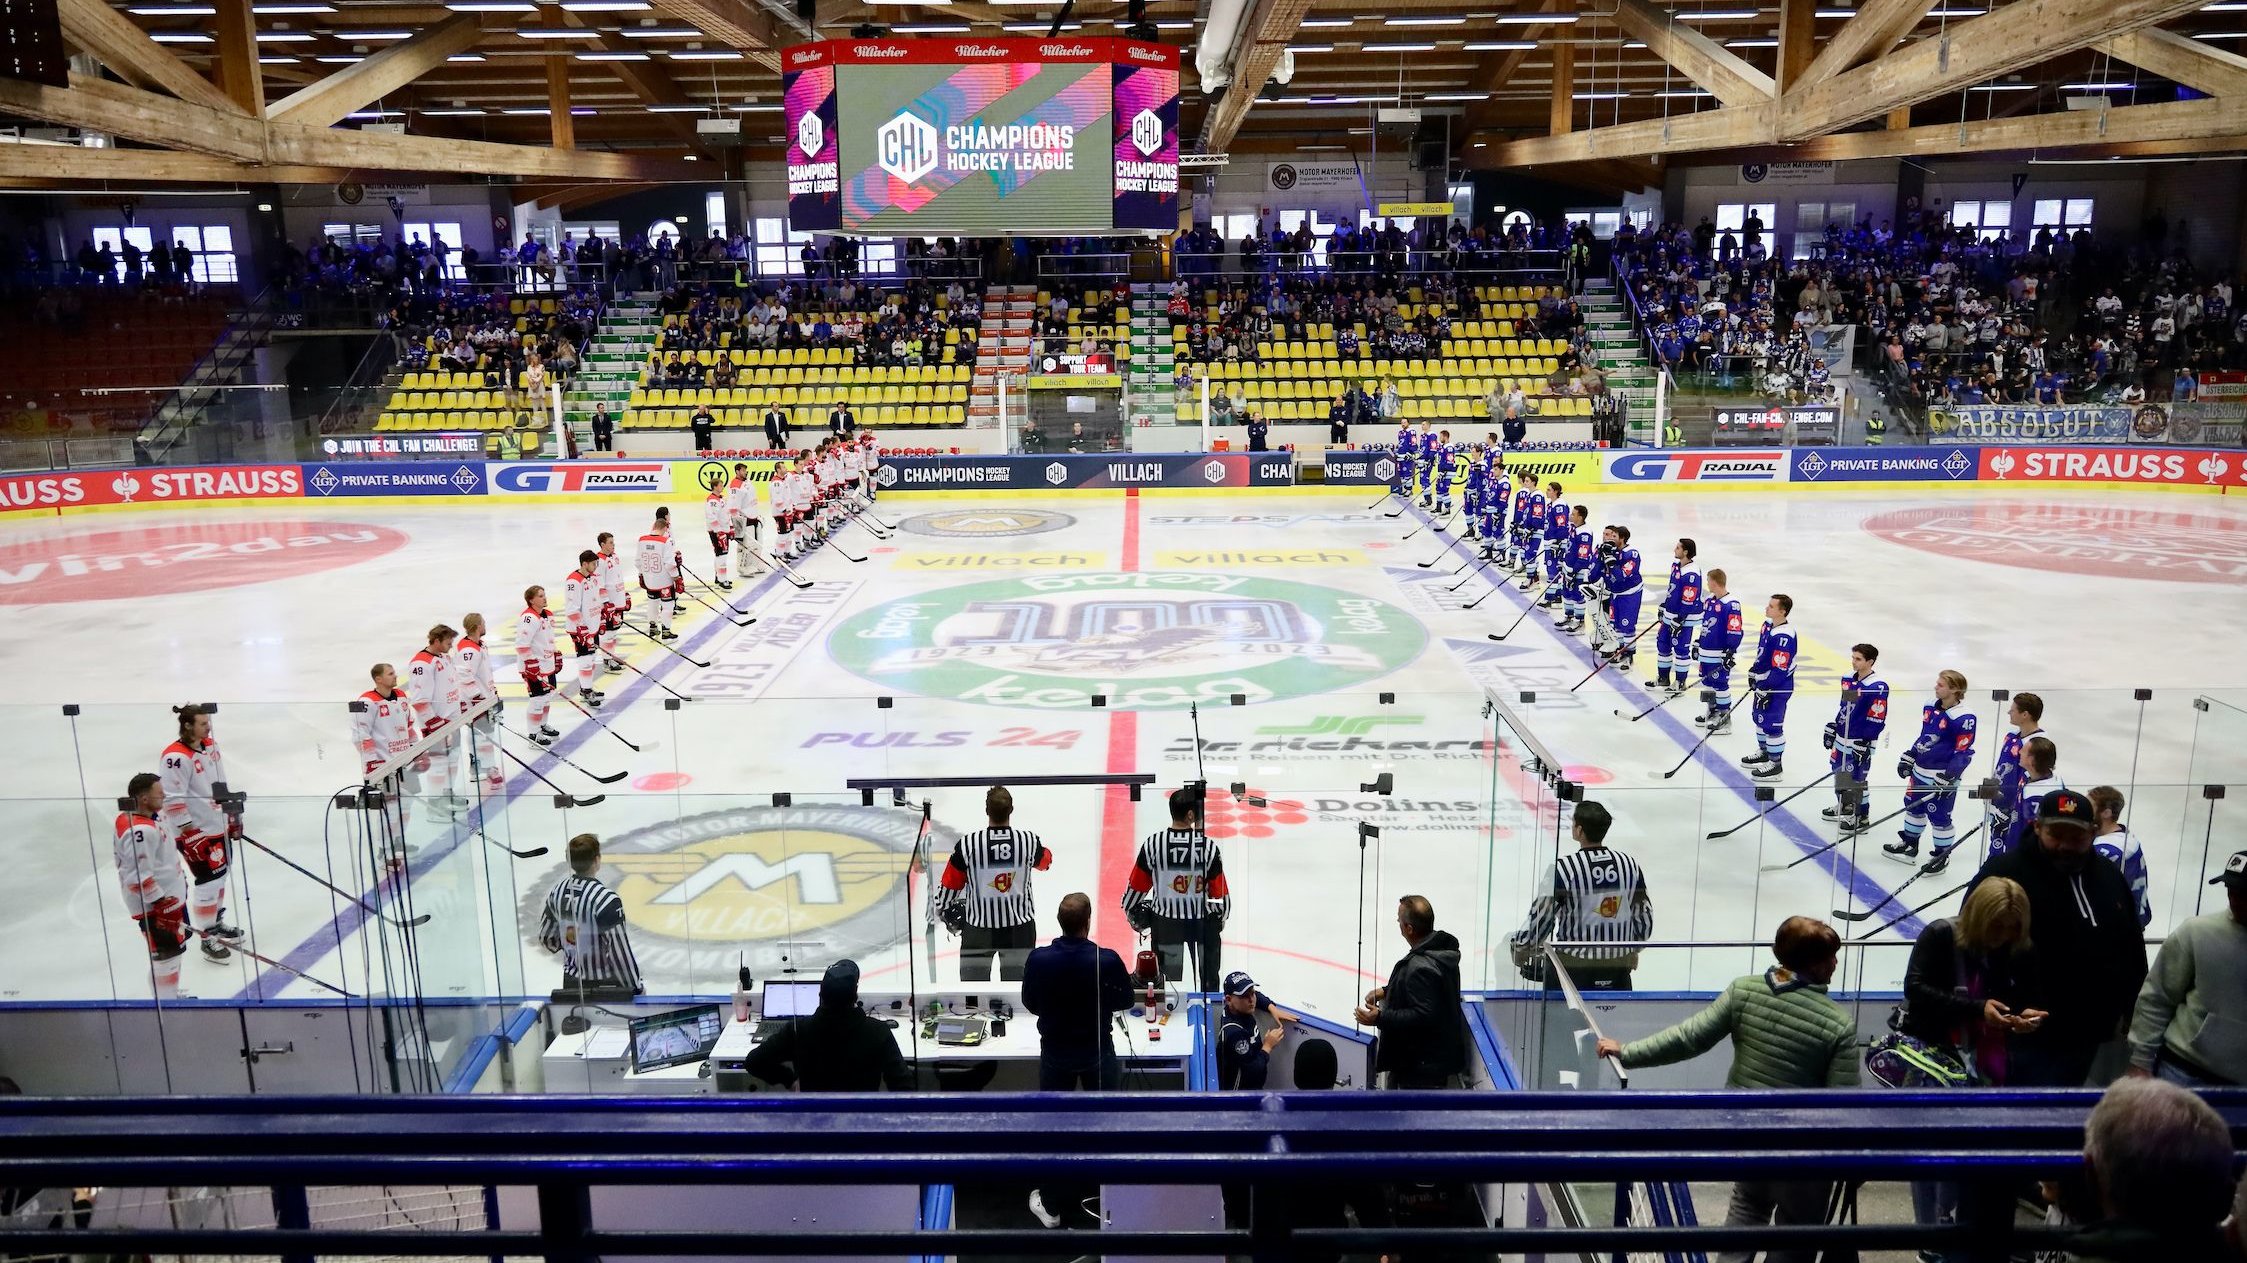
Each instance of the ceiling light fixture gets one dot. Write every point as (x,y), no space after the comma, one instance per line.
(1326,24)
(1436,21)
(1751,43)
(1719,15)
(605,6)
(377,36)
(704,54)
(179,37)
(1396,48)
(338,59)
(176,11)
(492,6)
(1500,45)
(1456,96)
(466,57)
(287,10)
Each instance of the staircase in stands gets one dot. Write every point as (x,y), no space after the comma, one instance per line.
(1148,395)
(609,369)
(1620,353)
(1008,315)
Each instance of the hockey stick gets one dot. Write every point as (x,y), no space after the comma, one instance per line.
(728,613)
(575,801)
(1689,755)
(785,572)
(1436,522)
(1525,613)
(582,709)
(1924,871)
(605,780)
(1486,594)
(1806,857)
(1383,500)
(1429,564)
(837,540)
(1916,911)
(368,908)
(1606,662)
(1666,700)
(1775,806)
(274,964)
(660,643)
(531,854)
(1478,563)
(656,682)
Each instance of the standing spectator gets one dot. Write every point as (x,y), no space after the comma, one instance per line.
(1786,1033)
(839,1048)
(584,921)
(704,423)
(1259,431)
(1965,993)
(1338,420)
(1177,893)
(1594,895)
(1514,418)
(604,429)
(984,894)
(842,422)
(1074,985)
(776,427)
(2115,842)
(1422,1031)
(1244,1056)
(2158,1160)
(2090,956)
(2190,1026)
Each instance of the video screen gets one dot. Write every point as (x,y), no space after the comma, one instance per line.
(1146,146)
(814,147)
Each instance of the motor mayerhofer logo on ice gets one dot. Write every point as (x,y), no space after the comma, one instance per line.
(1146,641)
(810,884)
(986,523)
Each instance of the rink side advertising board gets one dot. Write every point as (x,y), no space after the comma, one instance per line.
(1075,472)
(423,445)
(168,485)
(1883,464)
(981,136)
(333,479)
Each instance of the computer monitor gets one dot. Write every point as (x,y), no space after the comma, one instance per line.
(680,1037)
(789,999)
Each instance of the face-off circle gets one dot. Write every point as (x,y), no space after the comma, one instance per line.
(121,565)
(1142,641)
(986,523)
(2116,542)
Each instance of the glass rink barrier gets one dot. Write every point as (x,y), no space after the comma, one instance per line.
(781,835)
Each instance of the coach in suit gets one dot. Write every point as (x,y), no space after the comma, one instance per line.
(776,427)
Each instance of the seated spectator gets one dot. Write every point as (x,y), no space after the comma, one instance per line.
(2158,1161)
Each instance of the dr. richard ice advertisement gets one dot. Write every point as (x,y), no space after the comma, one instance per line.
(1142,641)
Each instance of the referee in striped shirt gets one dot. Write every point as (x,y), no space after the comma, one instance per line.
(584,921)
(1177,893)
(1595,895)
(984,894)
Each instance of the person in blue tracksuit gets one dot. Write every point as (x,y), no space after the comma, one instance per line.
(1446,466)
(1558,532)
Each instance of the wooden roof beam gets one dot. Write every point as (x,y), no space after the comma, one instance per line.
(1722,73)
(738,24)
(2175,123)
(1497,73)
(355,87)
(1878,26)
(1265,31)
(2181,59)
(1725,128)
(118,43)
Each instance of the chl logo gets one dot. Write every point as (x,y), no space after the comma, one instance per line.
(811,134)
(1147,132)
(906,147)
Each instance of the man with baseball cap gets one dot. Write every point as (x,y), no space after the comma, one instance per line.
(2090,955)
(2190,1026)
(1243,1055)
(839,1048)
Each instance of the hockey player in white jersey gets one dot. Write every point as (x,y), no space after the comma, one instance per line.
(383,728)
(870,458)
(474,663)
(434,686)
(581,612)
(202,829)
(538,660)
(748,522)
(616,600)
(787,513)
(155,889)
(717,518)
(659,577)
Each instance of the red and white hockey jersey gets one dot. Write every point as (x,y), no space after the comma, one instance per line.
(473,668)
(434,688)
(190,802)
(609,571)
(534,643)
(717,515)
(581,600)
(741,498)
(383,728)
(659,561)
(148,867)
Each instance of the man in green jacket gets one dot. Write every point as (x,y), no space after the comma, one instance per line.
(1786,1033)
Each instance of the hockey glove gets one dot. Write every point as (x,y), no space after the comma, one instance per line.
(165,923)
(1728,662)
(1141,917)
(1904,767)
(954,918)
(1830,738)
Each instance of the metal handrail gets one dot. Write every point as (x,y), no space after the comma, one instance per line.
(1575,1002)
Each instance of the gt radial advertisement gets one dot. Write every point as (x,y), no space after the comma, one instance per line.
(814,145)
(1147,137)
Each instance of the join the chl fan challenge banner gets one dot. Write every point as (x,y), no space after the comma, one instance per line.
(931,137)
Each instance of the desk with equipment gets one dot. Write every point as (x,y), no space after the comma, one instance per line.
(967,1038)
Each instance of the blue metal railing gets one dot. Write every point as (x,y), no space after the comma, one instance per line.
(566,1146)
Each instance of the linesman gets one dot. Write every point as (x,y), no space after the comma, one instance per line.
(984,894)
(1177,893)
(1596,895)
(584,921)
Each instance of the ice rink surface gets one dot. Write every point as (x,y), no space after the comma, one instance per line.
(999,640)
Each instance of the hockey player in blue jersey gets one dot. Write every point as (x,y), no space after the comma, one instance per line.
(1857,723)
(1532,533)
(1933,767)
(1771,681)
(1471,500)
(1722,629)
(1578,568)
(1558,533)
(2039,759)
(1406,447)
(1497,510)
(1424,443)
(1681,620)
(1446,466)
(2114,841)
(1622,585)
(2027,717)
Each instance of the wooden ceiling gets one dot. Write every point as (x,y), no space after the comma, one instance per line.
(627,78)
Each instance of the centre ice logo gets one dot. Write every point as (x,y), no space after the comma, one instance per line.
(906,147)
(1146,640)
(811,134)
(1147,132)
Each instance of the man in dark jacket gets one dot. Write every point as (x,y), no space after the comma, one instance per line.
(1074,985)
(1423,1033)
(839,1048)
(2090,955)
